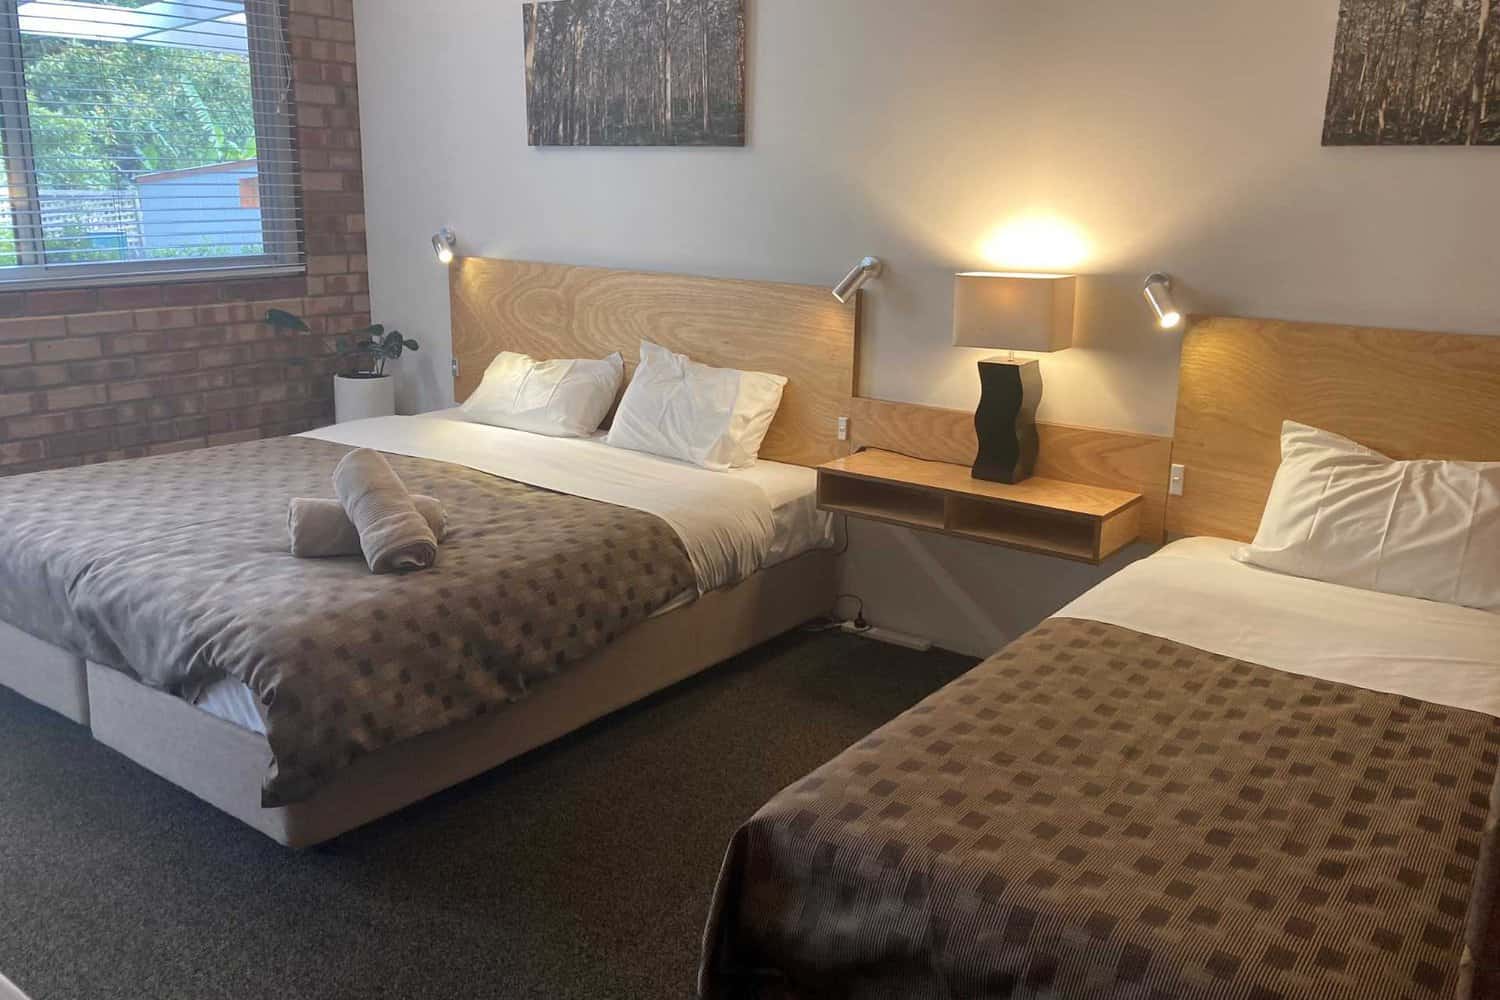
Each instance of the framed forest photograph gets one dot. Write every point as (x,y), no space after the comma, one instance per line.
(635,72)
(1415,73)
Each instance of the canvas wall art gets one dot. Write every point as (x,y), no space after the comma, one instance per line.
(1415,73)
(635,72)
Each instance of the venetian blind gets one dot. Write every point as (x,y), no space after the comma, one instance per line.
(145,138)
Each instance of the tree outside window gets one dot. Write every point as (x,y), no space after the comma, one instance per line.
(144,138)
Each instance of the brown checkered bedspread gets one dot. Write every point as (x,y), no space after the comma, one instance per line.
(1097,813)
(177,570)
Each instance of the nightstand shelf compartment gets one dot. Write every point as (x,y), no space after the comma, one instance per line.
(1052,517)
(1020,528)
(880,501)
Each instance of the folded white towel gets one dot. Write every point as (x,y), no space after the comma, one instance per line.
(392,533)
(320,529)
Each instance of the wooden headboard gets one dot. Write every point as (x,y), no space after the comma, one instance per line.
(560,311)
(1408,395)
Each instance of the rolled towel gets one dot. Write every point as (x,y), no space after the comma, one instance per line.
(392,534)
(320,529)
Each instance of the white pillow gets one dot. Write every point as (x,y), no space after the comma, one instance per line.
(567,398)
(713,417)
(1342,513)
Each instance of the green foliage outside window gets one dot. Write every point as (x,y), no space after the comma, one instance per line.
(104,112)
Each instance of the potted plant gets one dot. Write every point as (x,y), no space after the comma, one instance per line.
(367,391)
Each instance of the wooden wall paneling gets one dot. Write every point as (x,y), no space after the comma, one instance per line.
(1405,394)
(1120,460)
(1140,463)
(928,432)
(561,311)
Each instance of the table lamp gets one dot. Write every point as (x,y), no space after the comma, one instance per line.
(1015,312)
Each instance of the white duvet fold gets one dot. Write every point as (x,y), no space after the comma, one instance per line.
(725,522)
(1194,592)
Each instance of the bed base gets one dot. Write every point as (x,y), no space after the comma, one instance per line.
(225,765)
(42,673)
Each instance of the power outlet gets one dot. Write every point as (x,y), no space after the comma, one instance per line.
(1175,484)
(843,428)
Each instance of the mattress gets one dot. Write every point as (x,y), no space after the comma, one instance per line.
(175,569)
(1199,780)
(724,519)
(1194,591)
(797,526)
(223,764)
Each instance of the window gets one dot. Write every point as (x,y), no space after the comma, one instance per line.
(142,139)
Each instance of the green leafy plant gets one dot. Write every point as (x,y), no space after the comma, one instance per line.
(374,343)
(285,322)
(383,345)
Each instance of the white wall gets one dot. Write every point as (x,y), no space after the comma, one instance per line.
(1098,136)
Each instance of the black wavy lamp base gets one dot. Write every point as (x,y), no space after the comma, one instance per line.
(1006,420)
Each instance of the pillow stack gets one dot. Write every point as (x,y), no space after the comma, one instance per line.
(716,418)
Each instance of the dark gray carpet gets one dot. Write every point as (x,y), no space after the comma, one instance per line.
(581,870)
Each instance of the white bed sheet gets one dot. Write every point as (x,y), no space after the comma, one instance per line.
(1195,592)
(725,520)
(789,491)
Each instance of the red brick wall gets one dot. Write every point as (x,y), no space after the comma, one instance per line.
(93,374)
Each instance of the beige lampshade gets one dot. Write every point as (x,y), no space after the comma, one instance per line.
(1017,312)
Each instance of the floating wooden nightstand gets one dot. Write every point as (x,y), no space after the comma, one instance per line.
(1056,518)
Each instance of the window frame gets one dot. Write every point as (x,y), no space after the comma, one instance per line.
(278,175)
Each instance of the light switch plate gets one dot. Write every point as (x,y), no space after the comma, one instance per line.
(843,428)
(1179,475)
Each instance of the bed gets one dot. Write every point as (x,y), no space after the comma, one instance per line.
(1200,779)
(154,602)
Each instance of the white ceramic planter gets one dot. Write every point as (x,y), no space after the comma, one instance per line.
(361,398)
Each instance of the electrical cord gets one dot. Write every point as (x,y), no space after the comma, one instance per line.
(834,622)
(858,621)
(843,520)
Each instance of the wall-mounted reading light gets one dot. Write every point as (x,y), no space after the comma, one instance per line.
(1158,292)
(856,279)
(444,242)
